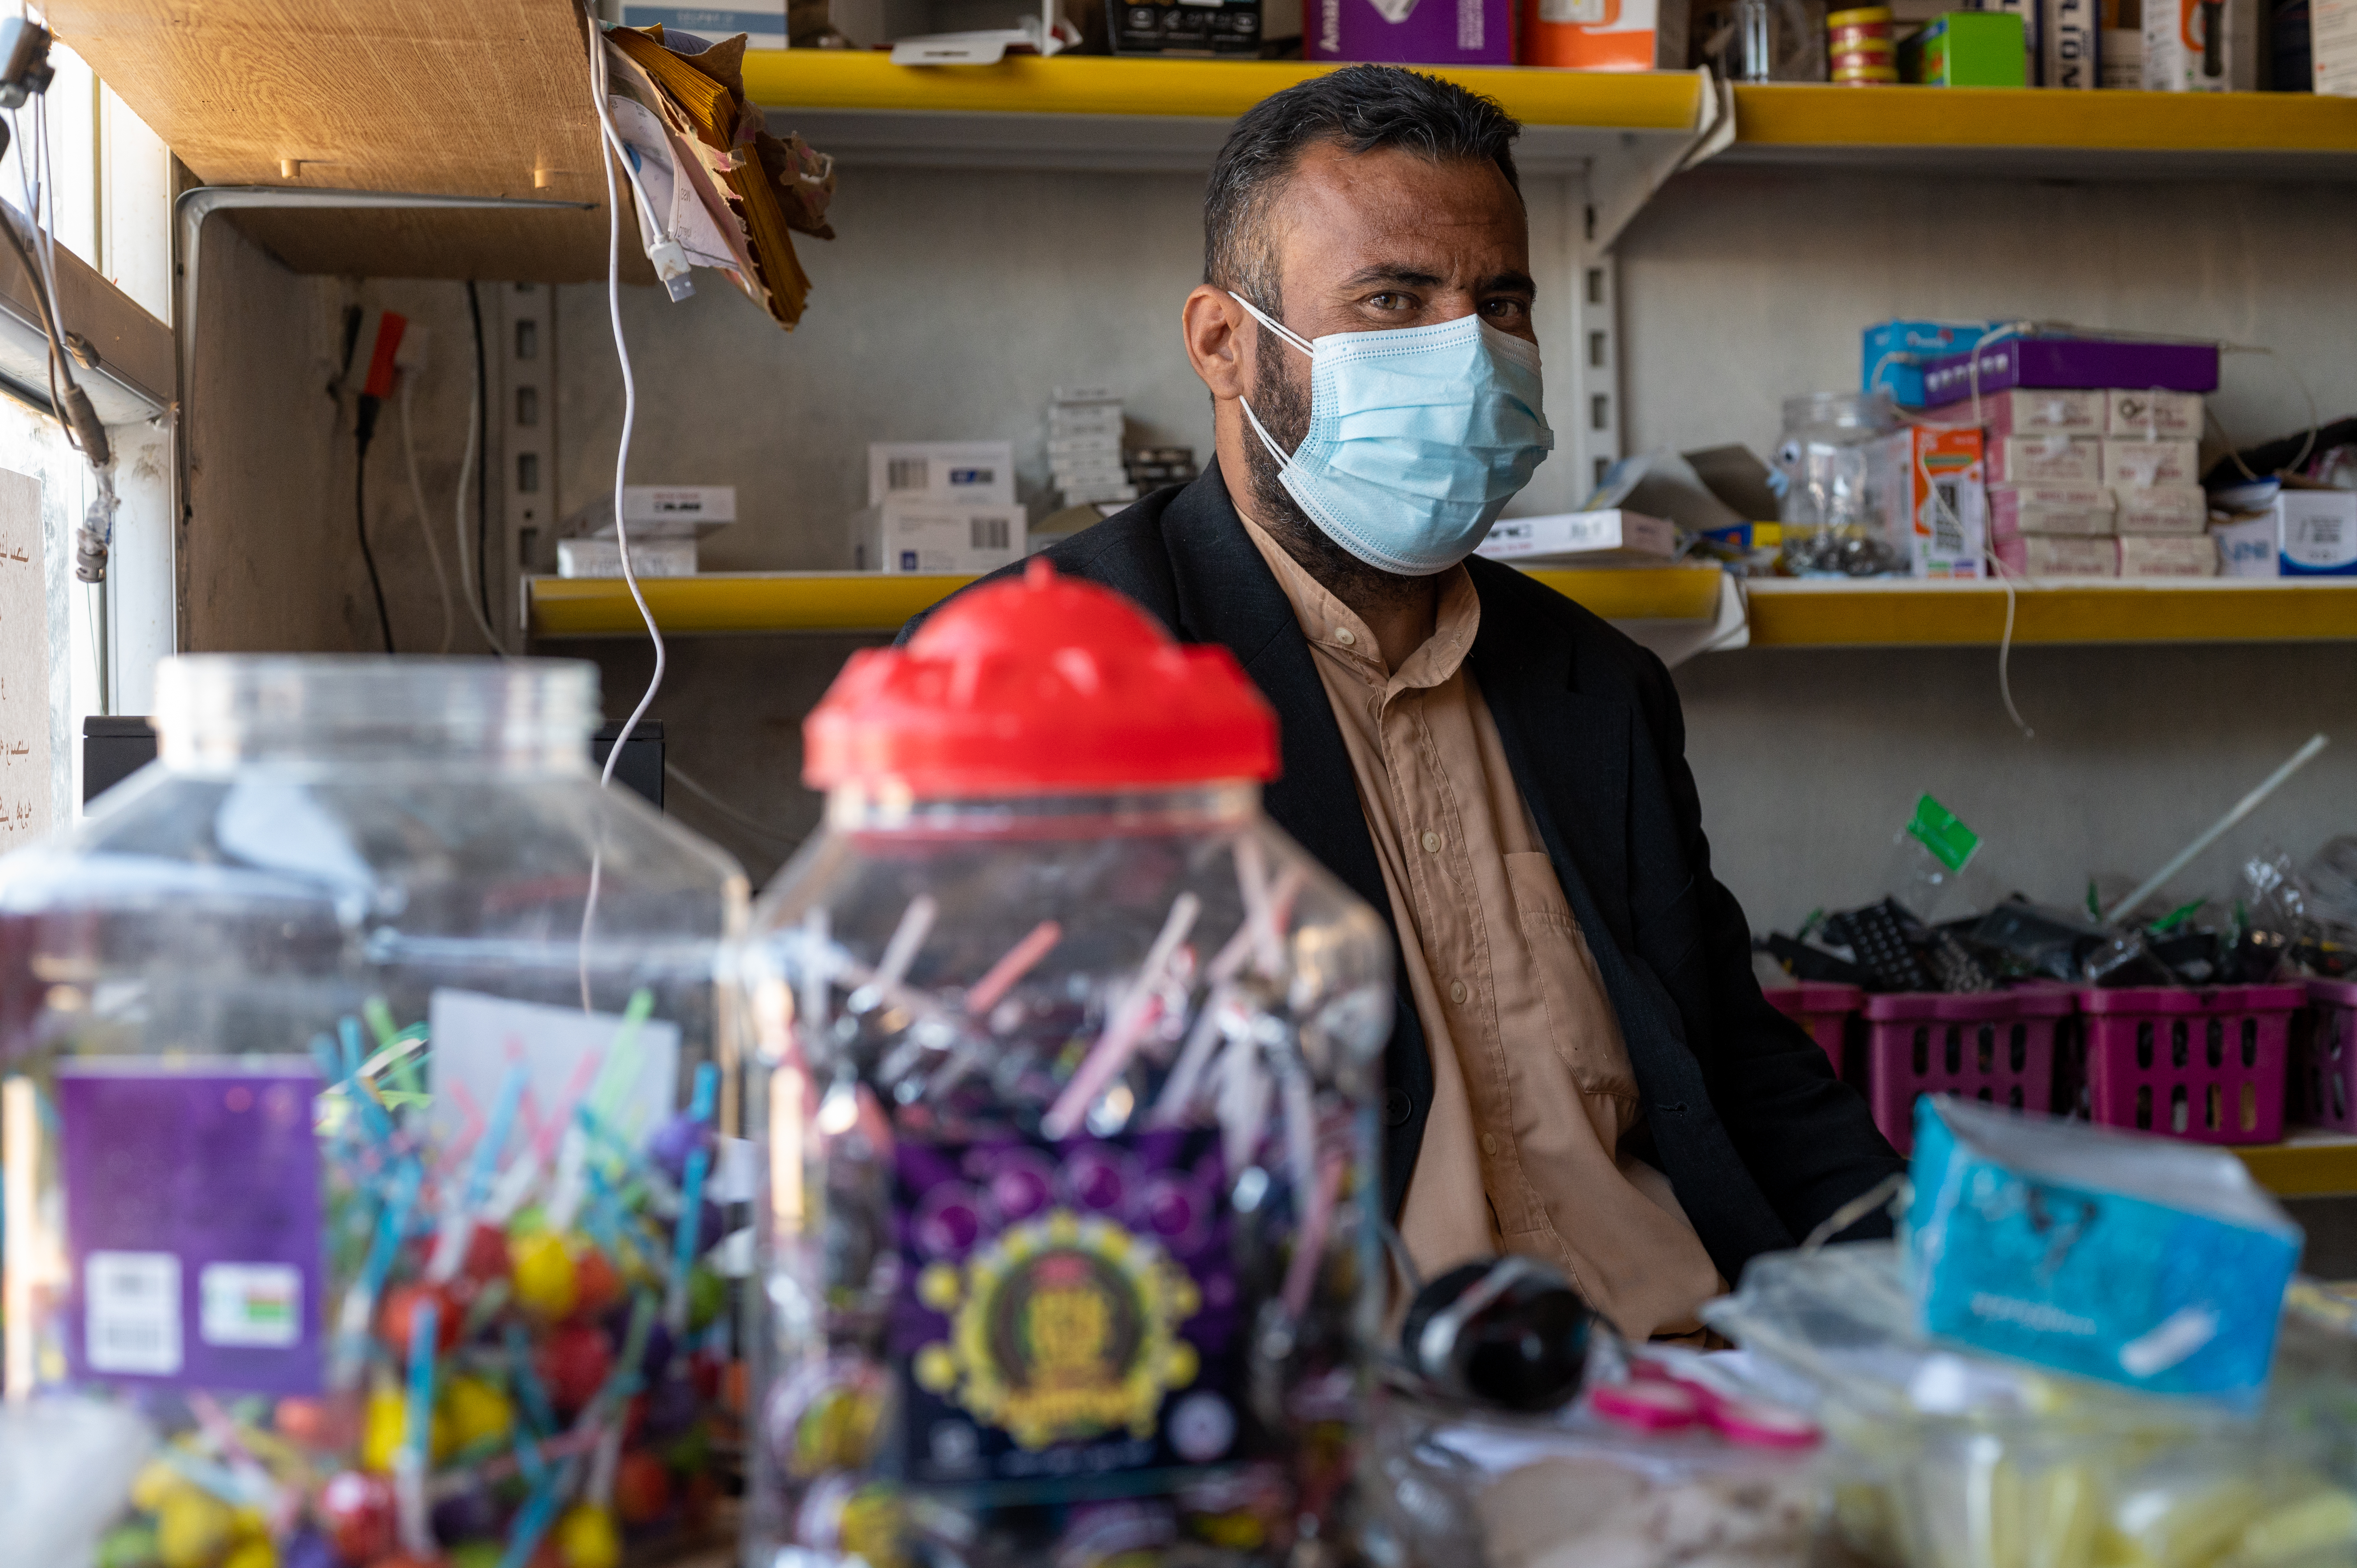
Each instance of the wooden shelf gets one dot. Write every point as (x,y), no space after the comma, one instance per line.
(2037,130)
(719,603)
(1787,613)
(490,101)
(2308,1163)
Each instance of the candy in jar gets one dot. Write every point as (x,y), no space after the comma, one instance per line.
(1068,1058)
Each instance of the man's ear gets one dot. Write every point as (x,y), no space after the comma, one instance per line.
(1217,345)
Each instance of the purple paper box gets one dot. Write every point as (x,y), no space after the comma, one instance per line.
(192,1219)
(2072,362)
(1410,32)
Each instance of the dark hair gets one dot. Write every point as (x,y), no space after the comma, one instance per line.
(1359,108)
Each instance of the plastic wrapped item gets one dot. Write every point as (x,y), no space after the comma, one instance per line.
(2128,1260)
(1945,1458)
(1830,508)
(1584,1490)
(1068,1057)
(361,1124)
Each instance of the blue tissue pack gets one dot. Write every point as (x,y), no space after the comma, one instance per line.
(2158,1265)
(1896,353)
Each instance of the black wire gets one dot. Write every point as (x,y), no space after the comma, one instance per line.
(483,467)
(359,515)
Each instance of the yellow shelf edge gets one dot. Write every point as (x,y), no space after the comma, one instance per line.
(722,603)
(2303,1169)
(1800,615)
(1205,89)
(1816,115)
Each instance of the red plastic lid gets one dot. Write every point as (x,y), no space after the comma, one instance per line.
(1041,686)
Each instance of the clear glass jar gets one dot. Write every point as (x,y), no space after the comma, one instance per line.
(361,1057)
(1069,1058)
(1833,506)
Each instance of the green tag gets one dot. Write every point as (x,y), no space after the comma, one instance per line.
(2177,918)
(1936,828)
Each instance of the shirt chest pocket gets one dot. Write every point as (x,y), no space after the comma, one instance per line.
(1581,1028)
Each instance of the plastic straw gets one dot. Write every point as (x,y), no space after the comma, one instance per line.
(409,1470)
(1135,1009)
(2243,807)
(1013,967)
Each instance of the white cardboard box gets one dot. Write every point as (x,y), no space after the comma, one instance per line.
(2162,510)
(658,511)
(980,473)
(764,25)
(2168,555)
(649,557)
(2044,555)
(2333,45)
(2247,547)
(2155,415)
(2179,56)
(2048,458)
(2316,532)
(2021,508)
(2027,411)
(916,534)
(1594,537)
(2135,463)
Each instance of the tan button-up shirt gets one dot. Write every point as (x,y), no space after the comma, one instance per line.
(1532,1087)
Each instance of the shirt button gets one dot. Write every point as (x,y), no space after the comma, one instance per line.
(1432,844)
(1459,992)
(1488,1143)
(1345,635)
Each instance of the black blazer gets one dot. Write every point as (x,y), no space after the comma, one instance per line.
(1758,1137)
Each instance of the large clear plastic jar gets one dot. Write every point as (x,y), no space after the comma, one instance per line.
(1831,463)
(362,1057)
(1068,1060)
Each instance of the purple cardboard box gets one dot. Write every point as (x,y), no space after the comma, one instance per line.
(1410,32)
(2073,362)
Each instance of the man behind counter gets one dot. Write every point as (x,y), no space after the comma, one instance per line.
(1583,1068)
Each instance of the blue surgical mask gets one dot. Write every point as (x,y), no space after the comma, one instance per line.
(1418,437)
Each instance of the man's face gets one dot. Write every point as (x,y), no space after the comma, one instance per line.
(1365,242)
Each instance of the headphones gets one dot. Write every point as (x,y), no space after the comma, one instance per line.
(1509,1332)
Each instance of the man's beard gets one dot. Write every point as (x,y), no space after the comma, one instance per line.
(1283,410)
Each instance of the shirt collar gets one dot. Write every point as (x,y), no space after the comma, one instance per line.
(1335,630)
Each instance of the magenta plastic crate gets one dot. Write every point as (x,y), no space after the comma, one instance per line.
(1997,1046)
(1822,1009)
(2205,1066)
(2324,1058)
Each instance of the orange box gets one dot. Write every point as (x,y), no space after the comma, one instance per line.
(1601,35)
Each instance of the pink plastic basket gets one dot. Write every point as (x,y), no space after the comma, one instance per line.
(2205,1066)
(1822,1009)
(2324,1058)
(1997,1046)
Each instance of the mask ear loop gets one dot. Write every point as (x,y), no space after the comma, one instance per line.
(1290,337)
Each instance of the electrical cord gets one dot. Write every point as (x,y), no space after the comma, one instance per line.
(727,813)
(367,556)
(467,594)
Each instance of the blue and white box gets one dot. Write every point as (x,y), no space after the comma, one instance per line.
(2136,1260)
(2316,532)
(1896,350)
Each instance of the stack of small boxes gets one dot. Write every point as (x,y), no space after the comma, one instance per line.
(1151,468)
(2093,484)
(1084,447)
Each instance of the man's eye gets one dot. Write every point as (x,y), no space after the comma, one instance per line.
(1392,302)
(1505,309)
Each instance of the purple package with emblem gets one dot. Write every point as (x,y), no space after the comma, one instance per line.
(1066,1311)
(193,1223)
(1409,32)
(2072,362)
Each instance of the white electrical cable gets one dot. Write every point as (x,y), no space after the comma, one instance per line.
(425,521)
(466,472)
(611,150)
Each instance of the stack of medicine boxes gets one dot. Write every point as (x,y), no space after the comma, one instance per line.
(1084,447)
(2094,483)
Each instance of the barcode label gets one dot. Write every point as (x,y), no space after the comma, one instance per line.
(908,473)
(987,533)
(1947,520)
(132,1313)
(249,1306)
